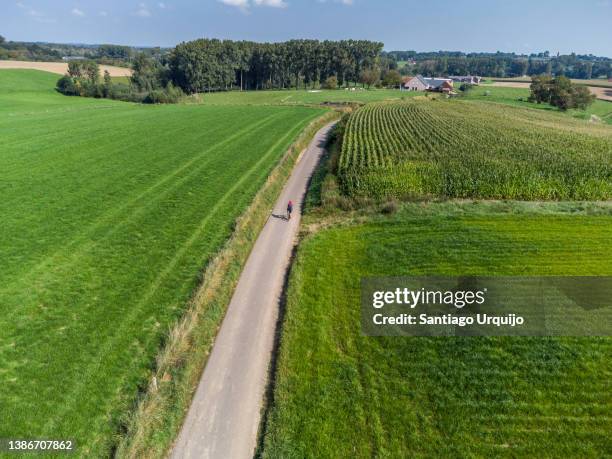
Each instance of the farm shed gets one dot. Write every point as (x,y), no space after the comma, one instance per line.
(470,79)
(420,83)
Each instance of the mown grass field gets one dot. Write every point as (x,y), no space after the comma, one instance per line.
(341,394)
(300,97)
(109,213)
(518,97)
(465,149)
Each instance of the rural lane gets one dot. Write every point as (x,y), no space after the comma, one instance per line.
(224,416)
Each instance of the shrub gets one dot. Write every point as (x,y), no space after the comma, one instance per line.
(169,95)
(66,85)
(331,83)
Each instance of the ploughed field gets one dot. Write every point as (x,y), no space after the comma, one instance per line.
(341,394)
(465,149)
(110,211)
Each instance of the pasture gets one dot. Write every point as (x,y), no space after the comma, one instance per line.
(110,212)
(300,97)
(462,149)
(517,96)
(341,394)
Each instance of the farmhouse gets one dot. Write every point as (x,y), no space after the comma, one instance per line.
(421,83)
(470,79)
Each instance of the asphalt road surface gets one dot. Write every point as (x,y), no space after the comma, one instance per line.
(224,416)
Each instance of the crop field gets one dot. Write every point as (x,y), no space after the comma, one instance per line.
(61,68)
(462,149)
(110,211)
(301,97)
(341,394)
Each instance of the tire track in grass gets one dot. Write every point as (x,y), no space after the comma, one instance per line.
(32,306)
(192,239)
(90,147)
(44,265)
(134,314)
(95,146)
(20,311)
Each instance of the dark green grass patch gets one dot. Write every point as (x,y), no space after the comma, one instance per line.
(341,394)
(109,212)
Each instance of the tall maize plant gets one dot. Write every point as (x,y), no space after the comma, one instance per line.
(461,149)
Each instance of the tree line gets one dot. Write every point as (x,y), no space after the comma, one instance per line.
(217,65)
(213,65)
(501,65)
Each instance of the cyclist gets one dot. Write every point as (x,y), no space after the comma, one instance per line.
(289,209)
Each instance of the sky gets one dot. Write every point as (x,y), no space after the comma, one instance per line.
(522,26)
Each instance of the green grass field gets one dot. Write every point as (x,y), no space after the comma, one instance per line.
(518,97)
(300,97)
(110,211)
(465,149)
(341,394)
(599,82)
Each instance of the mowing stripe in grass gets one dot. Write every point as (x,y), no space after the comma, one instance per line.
(134,314)
(81,244)
(67,192)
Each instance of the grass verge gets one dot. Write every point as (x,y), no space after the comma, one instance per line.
(157,418)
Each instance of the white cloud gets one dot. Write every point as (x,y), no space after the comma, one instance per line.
(143,11)
(77,12)
(36,15)
(244,5)
(161,5)
(271,3)
(237,3)
(103,13)
(343,2)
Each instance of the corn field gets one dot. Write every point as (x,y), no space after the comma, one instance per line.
(460,149)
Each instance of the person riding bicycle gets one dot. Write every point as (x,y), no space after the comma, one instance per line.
(289,209)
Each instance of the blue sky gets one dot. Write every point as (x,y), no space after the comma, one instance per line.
(583,26)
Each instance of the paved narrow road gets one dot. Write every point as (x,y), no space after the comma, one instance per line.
(224,416)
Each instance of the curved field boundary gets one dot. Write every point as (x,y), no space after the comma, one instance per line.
(61,67)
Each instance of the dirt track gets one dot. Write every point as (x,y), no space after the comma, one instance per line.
(600,93)
(60,67)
